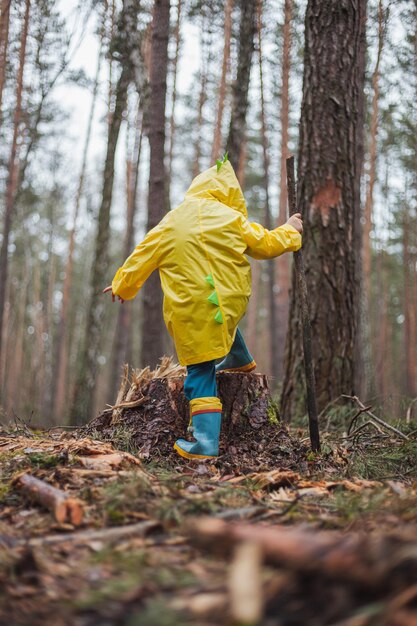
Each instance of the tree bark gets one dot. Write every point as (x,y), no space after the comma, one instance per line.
(240,99)
(153,326)
(215,151)
(329,169)
(283,264)
(12,175)
(85,385)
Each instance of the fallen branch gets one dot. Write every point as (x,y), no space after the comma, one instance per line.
(376,418)
(354,558)
(63,507)
(109,535)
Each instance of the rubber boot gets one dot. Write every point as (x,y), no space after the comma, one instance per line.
(239,358)
(205,420)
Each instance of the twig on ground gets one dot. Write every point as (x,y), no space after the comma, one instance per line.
(355,417)
(376,418)
(109,535)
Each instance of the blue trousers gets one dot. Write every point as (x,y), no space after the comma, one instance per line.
(201,377)
(201,381)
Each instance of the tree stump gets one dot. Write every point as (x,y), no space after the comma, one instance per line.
(151,412)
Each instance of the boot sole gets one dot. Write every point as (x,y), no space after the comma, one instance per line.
(188,455)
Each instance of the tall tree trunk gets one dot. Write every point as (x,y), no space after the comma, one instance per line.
(205,51)
(4,44)
(382,352)
(124,317)
(237,130)
(12,387)
(283,264)
(61,368)
(152,337)
(413,335)
(367,248)
(13,174)
(215,151)
(329,170)
(409,270)
(87,372)
(272,316)
(110,20)
(174,93)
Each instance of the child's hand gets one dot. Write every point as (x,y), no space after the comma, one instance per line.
(112,294)
(296,222)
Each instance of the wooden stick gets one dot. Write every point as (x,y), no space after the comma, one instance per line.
(305,317)
(61,505)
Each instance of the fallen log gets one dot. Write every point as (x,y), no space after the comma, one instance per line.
(63,507)
(367,561)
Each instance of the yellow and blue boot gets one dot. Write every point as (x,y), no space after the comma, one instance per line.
(205,420)
(239,358)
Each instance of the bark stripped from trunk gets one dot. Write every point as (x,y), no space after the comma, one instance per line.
(13,171)
(236,138)
(215,151)
(330,161)
(283,264)
(153,326)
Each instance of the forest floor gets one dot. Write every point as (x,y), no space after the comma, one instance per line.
(170,543)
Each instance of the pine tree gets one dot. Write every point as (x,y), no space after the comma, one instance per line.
(329,169)
(153,326)
(235,145)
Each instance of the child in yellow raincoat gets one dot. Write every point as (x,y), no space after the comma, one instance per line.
(200,251)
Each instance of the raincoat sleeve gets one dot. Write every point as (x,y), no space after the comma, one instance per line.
(267,244)
(138,266)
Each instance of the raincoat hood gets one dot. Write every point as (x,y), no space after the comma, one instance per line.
(221,185)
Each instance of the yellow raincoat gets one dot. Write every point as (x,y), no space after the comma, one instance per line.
(200,250)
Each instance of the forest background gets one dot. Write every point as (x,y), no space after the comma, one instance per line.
(80,96)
